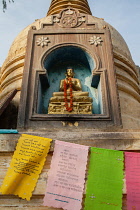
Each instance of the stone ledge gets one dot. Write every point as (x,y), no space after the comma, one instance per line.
(108,140)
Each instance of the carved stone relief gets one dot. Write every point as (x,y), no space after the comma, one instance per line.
(43,41)
(69,18)
(95,40)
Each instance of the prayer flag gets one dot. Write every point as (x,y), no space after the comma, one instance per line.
(105,180)
(132,164)
(66,177)
(26,165)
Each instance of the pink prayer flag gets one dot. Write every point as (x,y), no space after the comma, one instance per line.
(132,162)
(66,177)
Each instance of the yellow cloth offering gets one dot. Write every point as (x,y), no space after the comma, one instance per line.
(25,166)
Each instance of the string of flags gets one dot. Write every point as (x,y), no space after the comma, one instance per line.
(67,175)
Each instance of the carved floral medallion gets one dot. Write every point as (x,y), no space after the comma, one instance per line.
(42,41)
(95,40)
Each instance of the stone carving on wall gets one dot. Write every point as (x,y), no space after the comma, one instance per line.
(69,18)
(96,40)
(43,41)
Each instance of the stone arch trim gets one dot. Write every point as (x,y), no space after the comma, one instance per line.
(93,55)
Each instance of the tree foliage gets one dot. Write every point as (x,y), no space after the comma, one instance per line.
(4,3)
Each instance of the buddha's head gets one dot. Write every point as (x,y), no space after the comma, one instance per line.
(70,72)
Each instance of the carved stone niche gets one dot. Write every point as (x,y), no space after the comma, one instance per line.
(49,53)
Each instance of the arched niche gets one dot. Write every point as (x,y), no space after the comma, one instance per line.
(56,63)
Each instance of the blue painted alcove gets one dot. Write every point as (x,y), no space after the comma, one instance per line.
(56,64)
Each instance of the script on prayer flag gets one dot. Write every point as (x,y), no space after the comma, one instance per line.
(26,165)
(66,177)
(132,164)
(105,180)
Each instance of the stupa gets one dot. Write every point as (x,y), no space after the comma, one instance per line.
(98,105)
(125,69)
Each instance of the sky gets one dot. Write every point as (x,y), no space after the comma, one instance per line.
(124,15)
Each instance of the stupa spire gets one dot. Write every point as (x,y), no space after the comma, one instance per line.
(57,5)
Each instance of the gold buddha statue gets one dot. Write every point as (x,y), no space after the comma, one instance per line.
(71,99)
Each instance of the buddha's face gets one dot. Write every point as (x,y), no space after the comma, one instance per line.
(70,72)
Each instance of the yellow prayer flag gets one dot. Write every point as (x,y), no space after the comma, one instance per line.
(25,166)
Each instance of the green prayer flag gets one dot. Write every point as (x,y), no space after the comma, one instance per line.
(105,180)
